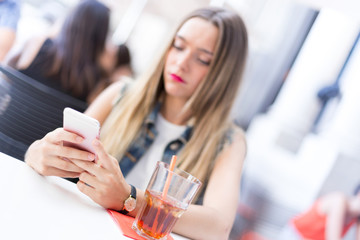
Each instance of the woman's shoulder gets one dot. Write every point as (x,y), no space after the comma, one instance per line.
(122,87)
(233,135)
(30,51)
(113,93)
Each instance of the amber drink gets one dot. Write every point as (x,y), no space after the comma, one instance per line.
(159,213)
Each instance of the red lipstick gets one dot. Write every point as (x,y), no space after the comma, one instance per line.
(177,78)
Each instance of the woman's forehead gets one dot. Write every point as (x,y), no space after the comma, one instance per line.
(199,32)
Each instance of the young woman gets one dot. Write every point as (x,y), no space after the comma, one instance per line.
(330,218)
(181,107)
(72,61)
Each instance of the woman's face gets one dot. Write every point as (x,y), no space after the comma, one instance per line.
(108,58)
(189,57)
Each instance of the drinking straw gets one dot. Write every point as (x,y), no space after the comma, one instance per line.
(168,179)
(164,194)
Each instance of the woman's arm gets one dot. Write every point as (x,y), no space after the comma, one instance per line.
(334,205)
(6,41)
(29,52)
(214,219)
(357,231)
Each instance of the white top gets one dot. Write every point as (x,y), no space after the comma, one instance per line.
(141,173)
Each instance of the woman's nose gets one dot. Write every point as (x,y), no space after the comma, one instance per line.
(183,60)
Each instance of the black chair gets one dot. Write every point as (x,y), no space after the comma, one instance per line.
(28,110)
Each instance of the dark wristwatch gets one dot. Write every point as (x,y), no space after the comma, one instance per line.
(130,202)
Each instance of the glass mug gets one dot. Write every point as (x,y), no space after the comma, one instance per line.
(167,196)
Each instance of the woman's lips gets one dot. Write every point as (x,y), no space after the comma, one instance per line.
(177,78)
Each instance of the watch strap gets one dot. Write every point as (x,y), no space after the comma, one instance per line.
(133,191)
(132,195)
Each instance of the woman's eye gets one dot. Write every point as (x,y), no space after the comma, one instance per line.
(178,47)
(204,62)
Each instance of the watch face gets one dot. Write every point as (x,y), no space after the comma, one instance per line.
(130,204)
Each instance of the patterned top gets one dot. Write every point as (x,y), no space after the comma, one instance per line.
(9,14)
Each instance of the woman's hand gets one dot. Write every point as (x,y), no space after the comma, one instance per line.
(49,157)
(103,181)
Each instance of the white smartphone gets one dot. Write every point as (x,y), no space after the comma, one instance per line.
(83,125)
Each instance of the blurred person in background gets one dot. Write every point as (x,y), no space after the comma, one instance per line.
(71,61)
(122,63)
(181,106)
(9,17)
(329,218)
(117,63)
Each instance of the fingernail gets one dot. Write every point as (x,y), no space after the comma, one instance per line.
(79,139)
(96,142)
(91,156)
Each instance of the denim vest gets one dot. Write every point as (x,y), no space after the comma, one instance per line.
(146,138)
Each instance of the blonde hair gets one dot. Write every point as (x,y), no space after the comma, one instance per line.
(210,104)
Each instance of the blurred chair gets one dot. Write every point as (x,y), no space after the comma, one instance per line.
(28,110)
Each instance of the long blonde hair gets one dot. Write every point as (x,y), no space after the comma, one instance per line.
(210,104)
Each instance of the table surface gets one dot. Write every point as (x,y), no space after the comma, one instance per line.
(37,207)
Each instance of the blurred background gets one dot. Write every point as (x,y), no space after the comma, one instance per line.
(299,102)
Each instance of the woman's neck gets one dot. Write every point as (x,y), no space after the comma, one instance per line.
(171,110)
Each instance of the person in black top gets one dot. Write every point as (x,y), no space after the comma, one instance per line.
(71,61)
